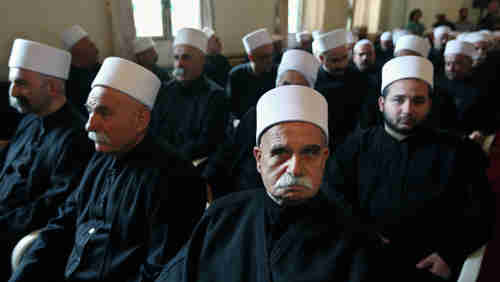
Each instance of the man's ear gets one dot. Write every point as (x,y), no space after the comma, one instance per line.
(257,153)
(142,119)
(381,104)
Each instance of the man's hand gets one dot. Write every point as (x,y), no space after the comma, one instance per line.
(436,265)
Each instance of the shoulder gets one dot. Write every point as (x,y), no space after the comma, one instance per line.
(235,203)
(239,69)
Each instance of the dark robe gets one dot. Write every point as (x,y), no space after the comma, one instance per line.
(123,223)
(217,68)
(437,58)
(369,113)
(41,166)
(78,85)
(161,73)
(247,237)
(383,56)
(345,96)
(425,194)
(244,88)
(193,118)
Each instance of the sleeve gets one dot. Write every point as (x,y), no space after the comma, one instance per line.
(212,129)
(169,231)
(51,249)
(68,164)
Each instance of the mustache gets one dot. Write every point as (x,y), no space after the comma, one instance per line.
(19,103)
(178,72)
(98,137)
(287,180)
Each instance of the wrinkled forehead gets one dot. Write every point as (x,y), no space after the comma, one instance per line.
(293,132)
(185,49)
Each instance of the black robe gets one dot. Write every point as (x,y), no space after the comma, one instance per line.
(78,85)
(428,193)
(217,68)
(383,56)
(244,88)
(247,237)
(123,222)
(437,58)
(193,119)
(346,97)
(161,73)
(41,166)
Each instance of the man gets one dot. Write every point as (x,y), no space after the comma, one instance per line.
(279,233)
(248,81)
(490,21)
(364,56)
(46,155)
(84,64)
(305,39)
(384,51)
(463,24)
(146,56)
(191,111)
(412,45)
(440,37)
(424,190)
(441,20)
(122,224)
(343,87)
(217,66)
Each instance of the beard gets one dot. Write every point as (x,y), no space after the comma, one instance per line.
(21,104)
(393,124)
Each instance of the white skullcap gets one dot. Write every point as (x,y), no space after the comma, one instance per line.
(441,30)
(143,44)
(397,33)
(301,61)
(330,40)
(303,36)
(407,67)
(361,43)
(129,78)
(193,37)
(316,34)
(208,32)
(413,43)
(72,35)
(474,37)
(256,39)
(460,47)
(291,103)
(386,36)
(40,58)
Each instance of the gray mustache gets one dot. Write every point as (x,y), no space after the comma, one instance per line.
(287,180)
(98,137)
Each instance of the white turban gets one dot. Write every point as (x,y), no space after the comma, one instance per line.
(192,37)
(72,35)
(143,44)
(302,62)
(413,43)
(407,67)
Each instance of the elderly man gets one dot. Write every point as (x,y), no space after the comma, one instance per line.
(343,87)
(279,233)
(217,66)
(305,39)
(48,152)
(364,56)
(384,50)
(248,81)
(84,64)
(421,187)
(440,37)
(147,56)
(122,224)
(412,45)
(191,110)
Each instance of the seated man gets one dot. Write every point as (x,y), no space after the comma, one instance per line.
(423,189)
(441,35)
(412,45)
(146,55)
(47,153)
(217,66)
(385,49)
(123,223)
(280,233)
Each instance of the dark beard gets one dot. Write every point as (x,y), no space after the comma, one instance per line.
(407,132)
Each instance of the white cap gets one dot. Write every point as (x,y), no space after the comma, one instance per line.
(330,40)
(291,103)
(413,43)
(301,61)
(475,37)
(316,34)
(303,36)
(460,47)
(72,35)
(441,30)
(363,42)
(386,36)
(193,37)
(407,67)
(256,39)
(143,44)
(40,58)
(129,78)
(208,32)
(397,33)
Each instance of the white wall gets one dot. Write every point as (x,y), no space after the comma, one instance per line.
(43,21)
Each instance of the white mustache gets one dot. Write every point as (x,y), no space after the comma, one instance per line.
(178,72)
(287,180)
(98,137)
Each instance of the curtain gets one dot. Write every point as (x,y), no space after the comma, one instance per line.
(207,14)
(313,17)
(367,13)
(123,28)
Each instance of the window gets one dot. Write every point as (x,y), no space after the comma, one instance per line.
(161,19)
(295,8)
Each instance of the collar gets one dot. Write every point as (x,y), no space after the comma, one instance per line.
(396,135)
(67,114)
(288,214)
